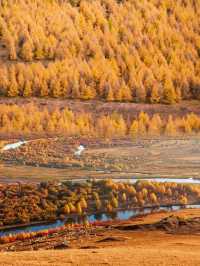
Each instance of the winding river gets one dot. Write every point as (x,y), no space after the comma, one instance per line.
(120,215)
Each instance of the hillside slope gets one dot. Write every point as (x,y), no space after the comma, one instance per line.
(141,51)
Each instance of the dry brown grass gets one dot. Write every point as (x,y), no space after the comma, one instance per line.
(110,256)
(164,158)
(145,248)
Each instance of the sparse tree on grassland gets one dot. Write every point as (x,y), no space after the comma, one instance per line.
(170,128)
(134,129)
(155,126)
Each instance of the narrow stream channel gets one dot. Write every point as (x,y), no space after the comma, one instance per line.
(167,180)
(133,180)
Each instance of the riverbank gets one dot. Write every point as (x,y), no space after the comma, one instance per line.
(120,214)
(50,201)
(108,246)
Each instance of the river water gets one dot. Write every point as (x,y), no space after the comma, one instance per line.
(120,215)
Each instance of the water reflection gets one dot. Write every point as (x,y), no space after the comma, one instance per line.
(120,215)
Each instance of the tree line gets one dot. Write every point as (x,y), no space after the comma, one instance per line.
(30,119)
(140,51)
(47,201)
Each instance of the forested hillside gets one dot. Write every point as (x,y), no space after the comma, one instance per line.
(134,50)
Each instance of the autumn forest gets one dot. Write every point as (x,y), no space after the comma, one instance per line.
(99,132)
(49,200)
(137,51)
(30,119)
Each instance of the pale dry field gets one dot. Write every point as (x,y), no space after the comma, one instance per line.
(149,250)
(173,158)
